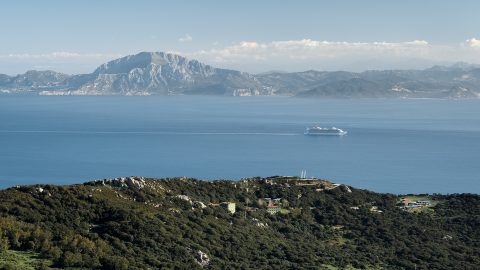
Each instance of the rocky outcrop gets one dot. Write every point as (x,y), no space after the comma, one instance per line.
(203,258)
(128,182)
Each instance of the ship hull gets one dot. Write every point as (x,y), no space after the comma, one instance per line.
(325,134)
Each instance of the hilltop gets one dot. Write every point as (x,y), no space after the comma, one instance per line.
(159,73)
(256,223)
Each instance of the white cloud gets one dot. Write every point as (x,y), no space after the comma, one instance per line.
(185,38)
(473,43)
(289,55)
(305,54)
(306,48)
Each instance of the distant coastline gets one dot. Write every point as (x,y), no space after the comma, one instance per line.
(163,74)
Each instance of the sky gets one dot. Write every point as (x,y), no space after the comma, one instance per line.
(254,36)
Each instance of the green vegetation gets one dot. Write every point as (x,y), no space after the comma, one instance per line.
(138,223)
(22,260)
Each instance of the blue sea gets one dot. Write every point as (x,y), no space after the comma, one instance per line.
(397,146)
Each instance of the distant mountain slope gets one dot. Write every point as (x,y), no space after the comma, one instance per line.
(436,82)
(33,80)
(292,83)
(158,73)
(351,88)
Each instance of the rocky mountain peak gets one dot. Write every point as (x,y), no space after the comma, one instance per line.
(145,60)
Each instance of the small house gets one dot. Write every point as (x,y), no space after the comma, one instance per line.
(406,202)
(273,208)
(424,203)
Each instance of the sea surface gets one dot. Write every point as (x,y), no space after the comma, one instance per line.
(397,146)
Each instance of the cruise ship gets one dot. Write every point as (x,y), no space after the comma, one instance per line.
(333,131)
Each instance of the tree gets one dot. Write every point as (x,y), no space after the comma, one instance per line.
(4,244)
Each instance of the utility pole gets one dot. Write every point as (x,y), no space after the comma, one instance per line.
(247,200)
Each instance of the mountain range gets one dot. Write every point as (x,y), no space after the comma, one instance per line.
(158,73)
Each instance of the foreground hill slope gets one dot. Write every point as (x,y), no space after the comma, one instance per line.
(274,223)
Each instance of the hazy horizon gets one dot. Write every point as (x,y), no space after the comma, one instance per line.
(348,68)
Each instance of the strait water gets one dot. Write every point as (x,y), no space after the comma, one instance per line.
(397,146)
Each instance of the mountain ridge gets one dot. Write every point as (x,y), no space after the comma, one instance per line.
(159,73)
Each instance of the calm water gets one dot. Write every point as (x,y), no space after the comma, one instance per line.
(398,146)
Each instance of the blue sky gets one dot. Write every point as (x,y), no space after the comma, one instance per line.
(76,36)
